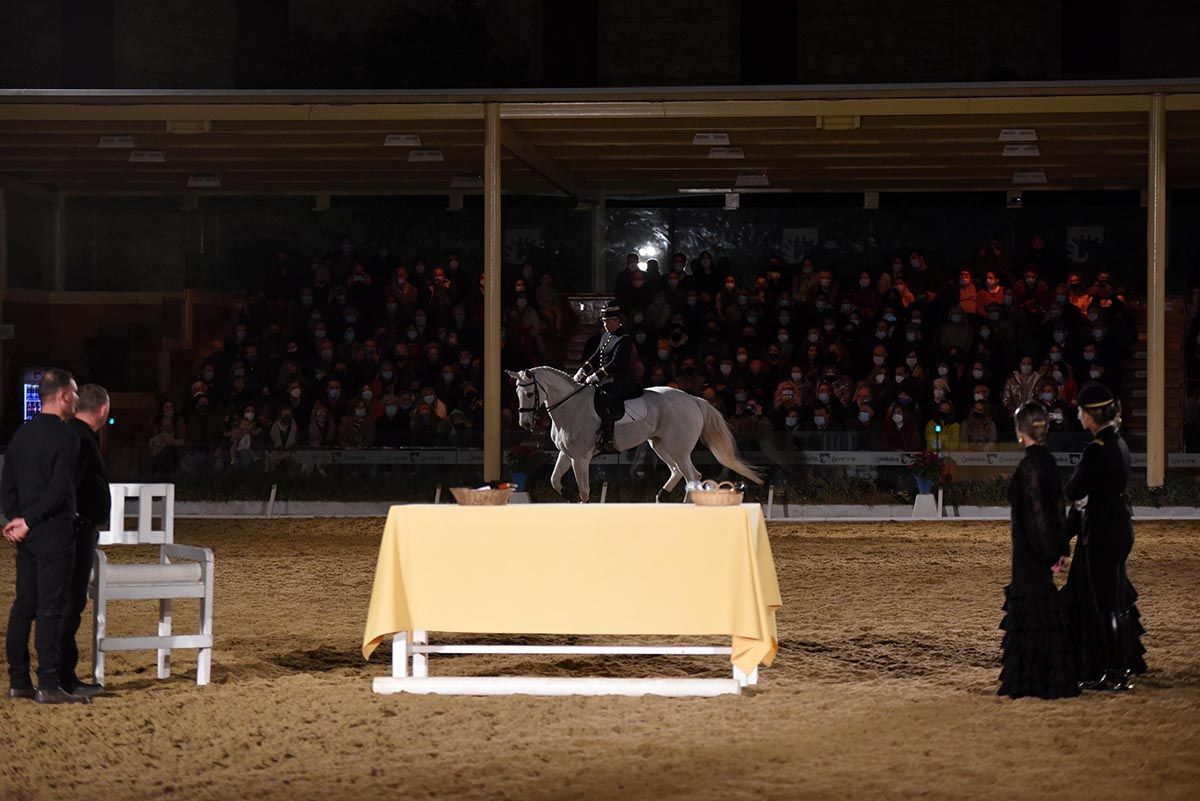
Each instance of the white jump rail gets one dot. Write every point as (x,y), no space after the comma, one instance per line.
(410,671)
(181,571)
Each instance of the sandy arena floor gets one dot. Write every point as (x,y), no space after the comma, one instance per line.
(883,688)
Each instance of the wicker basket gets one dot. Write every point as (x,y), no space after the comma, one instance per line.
(467,496)
(709,493)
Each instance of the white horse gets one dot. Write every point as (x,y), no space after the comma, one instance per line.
(674,421)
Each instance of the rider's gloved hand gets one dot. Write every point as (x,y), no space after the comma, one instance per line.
(594,378)
(580,375)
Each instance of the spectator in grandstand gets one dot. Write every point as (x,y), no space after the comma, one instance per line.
(242,435)
(1077,294)
(1032,293)
(322,430)
(900,432)
(956,332)
(357,428)
(204,430)
(942,431)
(284,436)
(167,437)
(992,291)
(978,431)
(965,294)
(1022,385)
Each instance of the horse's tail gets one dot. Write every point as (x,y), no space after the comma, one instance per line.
(718,438)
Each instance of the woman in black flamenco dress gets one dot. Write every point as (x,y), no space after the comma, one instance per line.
(1100,601)
(1036,648)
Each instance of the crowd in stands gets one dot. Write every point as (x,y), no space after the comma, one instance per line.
(354,352)
(907,356)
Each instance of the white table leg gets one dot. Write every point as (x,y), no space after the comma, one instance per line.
(420,662)
(743,679)
(400,655)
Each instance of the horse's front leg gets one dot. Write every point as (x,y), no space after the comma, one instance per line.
(580,466)
(561,465)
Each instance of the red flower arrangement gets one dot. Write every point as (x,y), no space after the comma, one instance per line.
(929,466)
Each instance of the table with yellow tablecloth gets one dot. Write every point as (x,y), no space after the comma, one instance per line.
(631,569)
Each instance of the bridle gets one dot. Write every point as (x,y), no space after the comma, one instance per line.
(538,403)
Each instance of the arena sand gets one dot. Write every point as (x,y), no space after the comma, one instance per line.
(884,688)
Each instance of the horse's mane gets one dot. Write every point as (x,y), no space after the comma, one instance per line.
(554,370)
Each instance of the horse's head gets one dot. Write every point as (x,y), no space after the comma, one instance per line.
(529,397)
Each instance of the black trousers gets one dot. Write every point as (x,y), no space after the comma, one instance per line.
(44,562)
(86,538)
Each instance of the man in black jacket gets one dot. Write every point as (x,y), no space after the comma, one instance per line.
(37,491)
(610,369)
(92,500)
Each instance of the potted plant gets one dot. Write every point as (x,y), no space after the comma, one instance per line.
(522,460)
(928,468)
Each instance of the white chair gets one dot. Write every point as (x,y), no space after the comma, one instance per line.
(182,571)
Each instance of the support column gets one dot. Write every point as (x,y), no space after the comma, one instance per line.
(58,250)
(599,235)
(491,293)
(1156,295)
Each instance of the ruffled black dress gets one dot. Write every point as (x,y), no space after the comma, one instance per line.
(1037,655)
(1100,600)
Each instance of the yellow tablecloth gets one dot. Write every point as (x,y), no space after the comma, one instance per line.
(578,569)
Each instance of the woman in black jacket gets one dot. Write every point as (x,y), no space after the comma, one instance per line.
(1036,648)
(1101,602)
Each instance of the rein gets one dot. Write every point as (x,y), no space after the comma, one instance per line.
(538,403)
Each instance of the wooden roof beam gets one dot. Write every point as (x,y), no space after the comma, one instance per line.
(549,168)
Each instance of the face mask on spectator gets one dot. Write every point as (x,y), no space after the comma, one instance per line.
(939,394)
(994,316)
(864,417)
(899,379)
(368,395)
(898,419)
(1055,356)
(295,393)
(864,282)
(943,370)
(1060,337)
(209,375)
(823,397)
(360,413)
(1098,333)
(430,399)
(879,378)
(911,361)
(1047,397)
(1057,376)
(386,375)
(349,335)
(726,369)
(1026,369)
(1095,373)
(956,318)
(978,396)
(1088,356)
(1092,316)
(741,358)
(248,416)
(977,375)
(334,394)
(797,376)
(818,420)
(985,333)
(910,336)
(792,422)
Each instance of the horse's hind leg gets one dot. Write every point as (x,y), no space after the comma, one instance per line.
(676,473)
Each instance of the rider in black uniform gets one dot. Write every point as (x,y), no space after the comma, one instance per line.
(1101,601)
(610,369)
